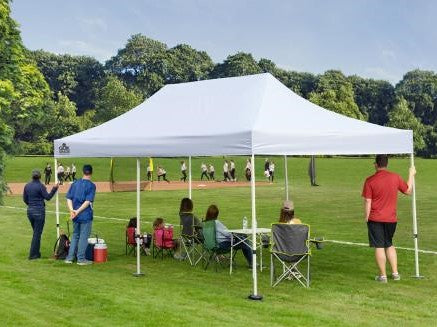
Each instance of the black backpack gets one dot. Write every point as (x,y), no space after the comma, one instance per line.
(61,247)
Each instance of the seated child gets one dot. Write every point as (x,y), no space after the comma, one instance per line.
(168,241)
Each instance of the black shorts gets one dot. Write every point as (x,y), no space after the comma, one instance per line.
(380,234)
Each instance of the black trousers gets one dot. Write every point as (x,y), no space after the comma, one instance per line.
(163,178)
(211,175)
(204,173)
(233,174)
(36,218)
(74,176)
(184,175)
(47,179)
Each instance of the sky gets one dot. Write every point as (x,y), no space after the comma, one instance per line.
(381,39)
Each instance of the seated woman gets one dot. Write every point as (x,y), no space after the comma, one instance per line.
(223,236)
(287,214)
(190,224)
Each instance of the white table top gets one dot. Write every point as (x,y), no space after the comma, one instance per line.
(249,231)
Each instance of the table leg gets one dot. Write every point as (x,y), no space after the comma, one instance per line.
(261,252)
(232,255)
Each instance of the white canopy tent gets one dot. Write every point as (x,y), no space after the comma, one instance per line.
(250,115)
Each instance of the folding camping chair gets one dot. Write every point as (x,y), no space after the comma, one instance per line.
(131,243)
(163,242)
(190,242)
(211,251)
(291,247)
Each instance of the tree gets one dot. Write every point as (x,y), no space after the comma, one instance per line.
(375,98)
(114,99)
(402,117)
(186,64)
(419,88)
(142,64)
(64,119)
(239,64)
(78,77)
(335,92)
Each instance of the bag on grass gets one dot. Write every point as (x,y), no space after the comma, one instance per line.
(61,247)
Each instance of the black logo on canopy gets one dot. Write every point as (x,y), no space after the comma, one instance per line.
(64,149)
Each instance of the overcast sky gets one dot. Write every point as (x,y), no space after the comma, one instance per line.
(381,39)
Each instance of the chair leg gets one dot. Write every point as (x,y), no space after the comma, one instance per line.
(272,270)
(308,272)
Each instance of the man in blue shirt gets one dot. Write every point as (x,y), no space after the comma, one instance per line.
(34,195)
(80,198)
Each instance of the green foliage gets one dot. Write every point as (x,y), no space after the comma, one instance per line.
(239,64)
(419,88)
(375,98)
(335,92)
(63,120)
(141,63)
(402,117)
(186,64)
(115,99)
(77,77)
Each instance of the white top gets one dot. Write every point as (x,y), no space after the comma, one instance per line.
(272,167)
(248,165)
(183,167)
(68,169)
(211,168)
(203,167)
(161,171)
(73,168)
(60,169)
(225,167)
(232,165)
(267,119)
(149,169)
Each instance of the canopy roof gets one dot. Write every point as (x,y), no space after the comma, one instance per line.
(232,116)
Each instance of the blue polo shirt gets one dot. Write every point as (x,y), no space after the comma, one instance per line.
(80,191)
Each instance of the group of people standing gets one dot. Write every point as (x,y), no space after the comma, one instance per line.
(64,174)
(80,198)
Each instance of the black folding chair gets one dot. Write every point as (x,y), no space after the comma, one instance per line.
(291,248)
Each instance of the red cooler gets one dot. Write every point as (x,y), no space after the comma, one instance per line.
(100,253)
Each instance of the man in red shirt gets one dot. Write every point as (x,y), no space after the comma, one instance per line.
(380,193)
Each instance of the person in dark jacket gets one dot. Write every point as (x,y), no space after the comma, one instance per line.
(34,195)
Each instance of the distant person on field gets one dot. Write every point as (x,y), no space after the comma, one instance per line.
(232,171)
(248,170)
(226,171)
(223,236)
(204,170)
(73,172)
(380,202)
(34,195)
(67,174)
(287,214)
(183,171)
(211,172)
(47,174)
(80,200)
(271,171)
(162,174)
(149,173)
(60,172)
(312,171)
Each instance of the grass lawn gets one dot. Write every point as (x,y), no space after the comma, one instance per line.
(342,293)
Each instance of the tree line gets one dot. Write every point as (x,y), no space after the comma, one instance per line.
(44,96)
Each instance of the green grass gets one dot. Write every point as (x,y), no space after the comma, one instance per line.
(342,293)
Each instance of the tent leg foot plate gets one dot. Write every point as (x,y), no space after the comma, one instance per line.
(418,277)
(255,297)
(138,274)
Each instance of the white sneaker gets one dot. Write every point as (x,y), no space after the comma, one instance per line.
(68,261)
(84,263)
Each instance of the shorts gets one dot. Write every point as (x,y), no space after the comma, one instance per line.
(380,234)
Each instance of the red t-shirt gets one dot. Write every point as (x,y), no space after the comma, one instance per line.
(382,188)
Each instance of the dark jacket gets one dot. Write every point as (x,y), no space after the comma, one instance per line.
(35,193)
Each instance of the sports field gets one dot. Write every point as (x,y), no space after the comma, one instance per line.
(342,293)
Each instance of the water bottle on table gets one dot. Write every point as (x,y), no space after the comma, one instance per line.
(244,223)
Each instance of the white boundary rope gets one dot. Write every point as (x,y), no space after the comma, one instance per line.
(148,222)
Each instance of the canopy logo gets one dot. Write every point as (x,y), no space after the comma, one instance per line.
(64,149)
